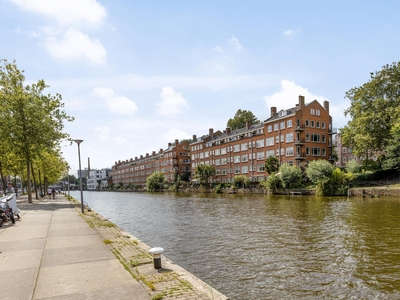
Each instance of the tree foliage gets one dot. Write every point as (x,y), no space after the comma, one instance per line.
(318,169)
(392,150)
(31,121)
(240,119)
(241,181)
(291,176)
(374,110)
(203,173)
(155,181)
(271,164)
(352,166)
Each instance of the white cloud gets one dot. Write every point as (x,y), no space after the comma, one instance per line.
(75,45)
(290,32)
(289,95)
(234,42)
(104,135)
(173,134)
(66,12)
(116,104)
(172,102)
(218,49)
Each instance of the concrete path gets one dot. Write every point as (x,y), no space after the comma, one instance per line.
(51,253)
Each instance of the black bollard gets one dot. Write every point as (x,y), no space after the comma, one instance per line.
(157,256)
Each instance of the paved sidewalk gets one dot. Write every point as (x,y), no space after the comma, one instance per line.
(52,253)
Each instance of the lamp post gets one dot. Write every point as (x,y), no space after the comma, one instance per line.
(80,173)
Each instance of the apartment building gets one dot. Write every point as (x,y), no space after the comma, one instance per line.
(135,171)
(97,178)
(295,136)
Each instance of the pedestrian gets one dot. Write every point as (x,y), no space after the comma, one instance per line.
(53,192)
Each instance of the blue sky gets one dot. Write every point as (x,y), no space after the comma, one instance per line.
(139,74)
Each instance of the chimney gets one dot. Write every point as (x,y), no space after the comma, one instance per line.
(154,153)
(326,105)
(273,111)
(161,150)
(131,159)
(211,133)
(176,142)
(301,102)
(135,157)
(141,156)
(228,130)
(248,124)
(169,145)
(194,137)
(147,155)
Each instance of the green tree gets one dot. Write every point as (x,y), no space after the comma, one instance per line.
(240,181)
(271,164)
(155,181)
(240,119)
(352,166)
(374,110)
(203,173)
(30,120)
(291,176)
(318,169)
(392,150)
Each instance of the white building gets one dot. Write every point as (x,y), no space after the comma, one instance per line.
(98,178)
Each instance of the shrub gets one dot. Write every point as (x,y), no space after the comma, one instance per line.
(155,181)
(318,169)
(273,183)
(290,176)
(240,181)
(353,166)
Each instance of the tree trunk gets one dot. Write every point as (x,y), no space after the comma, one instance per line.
(3,180)
(28,181)
(40,183)
(34,183)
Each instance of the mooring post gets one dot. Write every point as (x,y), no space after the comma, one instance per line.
(156,251)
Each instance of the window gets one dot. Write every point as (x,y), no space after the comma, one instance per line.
(312,111)
(260,155)
(237,170)
(343,150)
(307,137)
(277,152)
(318,112)
(217,162)
(315,137)
(323,125)
(269,141)
(282,137)
(289,137)
(312,124)
(206,154)
(236,159)
(315,151)
(323,138)
(245,158)
(344,160)
(276,127)
(282,151)
(269,128)
(223,171)
(218,172)
(223,161)
(217,151)
(243,147)
(223,151)
(260,143)
(307,124)
(289,151)
(277,139)
(201,155)
(269,153)
(245,169)
(289,123)
(307,151)
(323,152)
(260,168)
(317,124)
(282,125)
(236,148)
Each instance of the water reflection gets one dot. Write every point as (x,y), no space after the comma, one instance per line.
(270,247)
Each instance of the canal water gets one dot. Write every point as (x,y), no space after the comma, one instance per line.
(269,247)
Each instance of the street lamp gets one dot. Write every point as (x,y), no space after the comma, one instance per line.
(80,173)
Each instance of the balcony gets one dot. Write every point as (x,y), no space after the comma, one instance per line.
(299,142)
(299,128)
(332,130)
(300,156)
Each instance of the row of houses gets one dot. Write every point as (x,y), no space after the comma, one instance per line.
(295,136)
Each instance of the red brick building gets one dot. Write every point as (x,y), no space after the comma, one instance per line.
(295,136)
(135,171)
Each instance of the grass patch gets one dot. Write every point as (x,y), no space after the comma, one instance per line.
(107,241)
